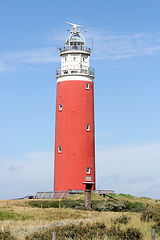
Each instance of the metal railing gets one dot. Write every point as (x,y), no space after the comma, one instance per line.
(52,194)
(89,71)
(65,194)
(75,47)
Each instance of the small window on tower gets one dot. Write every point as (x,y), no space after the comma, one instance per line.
(87,127)
(65,59)
(87,85)
(59,149)
(60,107)
(74,59)
(83,59)
(88,170)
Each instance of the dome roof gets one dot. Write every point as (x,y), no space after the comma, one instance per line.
(75,37)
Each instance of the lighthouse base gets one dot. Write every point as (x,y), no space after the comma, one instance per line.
(65,194)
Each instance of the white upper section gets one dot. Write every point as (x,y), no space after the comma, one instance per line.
(74,61)
(74,55)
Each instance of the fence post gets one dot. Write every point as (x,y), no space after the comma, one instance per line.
(54,236)
(153,234)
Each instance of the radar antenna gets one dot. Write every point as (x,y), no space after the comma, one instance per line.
(75,27)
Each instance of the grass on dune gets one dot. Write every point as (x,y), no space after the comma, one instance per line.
(22,221)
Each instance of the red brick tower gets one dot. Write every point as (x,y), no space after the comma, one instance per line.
(74,162)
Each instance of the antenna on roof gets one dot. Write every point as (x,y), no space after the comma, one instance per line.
(75,27)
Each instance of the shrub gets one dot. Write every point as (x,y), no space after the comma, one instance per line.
(109,206)
(135,206)
(7,215)
(67,203)
(133,233)
(126,195)
(78,204)
(45,204)
(150,215)
(157,227)
(118,206)
(128,233)
(89,231)
(114,232)
(97,205)
(123,219)
(6,235)
(72,231)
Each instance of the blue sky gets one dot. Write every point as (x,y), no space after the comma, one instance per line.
(126,42)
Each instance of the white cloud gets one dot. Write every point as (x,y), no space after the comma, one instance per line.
(13,168)
(7,67)
(130,169)
(33,56)
(141,179)
(106,46)
(56,36)
(135,169)
(14,60)
(123,46)
(24,176)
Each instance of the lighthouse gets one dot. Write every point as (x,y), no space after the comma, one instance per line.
(74,157)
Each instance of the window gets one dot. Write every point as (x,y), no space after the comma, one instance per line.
(74,59)
(88,170)
(83,59)
(88,178)
(65,59)
(87,127)
(59,149)
(60,107)
(87,85)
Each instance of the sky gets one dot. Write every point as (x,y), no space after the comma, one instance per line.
(126,57)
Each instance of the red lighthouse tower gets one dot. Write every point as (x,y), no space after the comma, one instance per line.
(74,162)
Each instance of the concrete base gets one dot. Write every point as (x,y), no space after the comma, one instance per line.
(65,194)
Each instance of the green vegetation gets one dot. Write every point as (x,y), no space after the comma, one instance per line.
(150,215)
(45,204)
(110,205)
(89,231)
(67,203)
(5,215)
(122,219)
(126,195)
(135,206)
(113,217)
(102,204)
(6,235)
(153,216)
(11,215)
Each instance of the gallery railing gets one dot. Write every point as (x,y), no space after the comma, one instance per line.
(89,71)
(75,47)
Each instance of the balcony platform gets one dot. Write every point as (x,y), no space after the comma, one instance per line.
(82,71)
(65,194)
